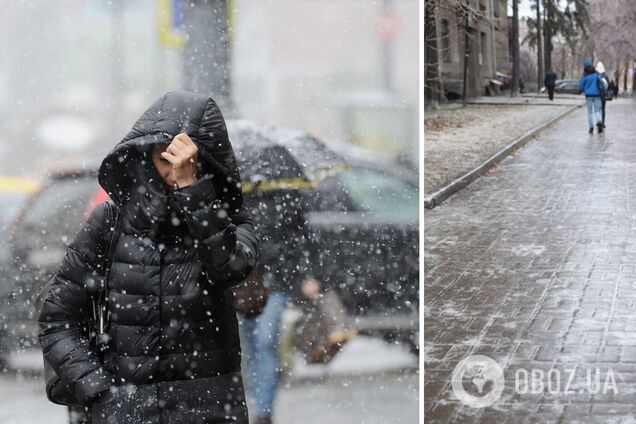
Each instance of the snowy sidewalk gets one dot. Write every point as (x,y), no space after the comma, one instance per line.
(369,381)
(458,139)
(534,266)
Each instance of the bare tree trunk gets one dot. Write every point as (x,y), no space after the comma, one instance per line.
(466,57)
(539,47)
(431,63)
(547,41)
(563,71)
(626,74)
(514,90)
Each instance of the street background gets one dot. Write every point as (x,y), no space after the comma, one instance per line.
(533,266)
(344,71)
(529,255)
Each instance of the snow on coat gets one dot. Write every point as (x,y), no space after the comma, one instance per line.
(174,354)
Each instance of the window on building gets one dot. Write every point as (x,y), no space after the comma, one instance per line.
(446,48)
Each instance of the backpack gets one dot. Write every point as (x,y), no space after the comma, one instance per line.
(603,85)
(93,328)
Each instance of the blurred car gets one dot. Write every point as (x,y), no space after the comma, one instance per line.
(571,86)
(565,86)
(505,79)
(366,221)
(45,224)
(14,191)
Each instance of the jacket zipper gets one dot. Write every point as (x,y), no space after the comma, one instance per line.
(162,249)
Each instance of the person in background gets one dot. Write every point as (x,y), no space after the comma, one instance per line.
(589,85)
(604,80)
(550,82)
(284,262)
(324,326)
(614,88)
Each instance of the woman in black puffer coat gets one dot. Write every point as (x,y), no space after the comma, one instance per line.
(174,355)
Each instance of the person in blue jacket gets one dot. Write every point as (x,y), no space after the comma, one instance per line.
(589,85)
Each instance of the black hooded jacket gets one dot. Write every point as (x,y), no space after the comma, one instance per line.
(174,354)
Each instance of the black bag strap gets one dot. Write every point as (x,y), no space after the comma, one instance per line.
(114,228)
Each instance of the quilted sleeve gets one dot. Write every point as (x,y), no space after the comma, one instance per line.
(65,308)
(228,245)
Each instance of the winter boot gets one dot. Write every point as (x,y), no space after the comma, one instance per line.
(600,127)
(591,130)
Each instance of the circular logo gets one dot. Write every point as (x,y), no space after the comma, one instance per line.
(484,374)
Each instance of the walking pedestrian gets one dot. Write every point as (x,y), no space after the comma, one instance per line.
(283,263)
(589,85)
(174,352)
(614,88)
(324,326)
(604,87)
(550,82)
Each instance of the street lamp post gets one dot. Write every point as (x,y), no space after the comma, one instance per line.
(207,54)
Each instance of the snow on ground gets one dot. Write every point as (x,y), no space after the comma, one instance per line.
(361,355)
(458,139)
(369,381)
(372,399)
(23,401)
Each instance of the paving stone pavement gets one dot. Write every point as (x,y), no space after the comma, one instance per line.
(534,265)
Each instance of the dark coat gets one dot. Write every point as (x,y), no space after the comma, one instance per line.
(550,79)
(174,354)
(289,248)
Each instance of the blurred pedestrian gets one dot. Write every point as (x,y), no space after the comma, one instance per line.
(614,88)
(324,326)
(284,261)
(604,86)
(174,353)
(522,86)
(589,85)
(550,83)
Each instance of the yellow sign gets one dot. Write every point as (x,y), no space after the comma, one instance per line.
(167,34)
(18,185)
(294,183)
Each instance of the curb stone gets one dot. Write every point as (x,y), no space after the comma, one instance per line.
(465,180)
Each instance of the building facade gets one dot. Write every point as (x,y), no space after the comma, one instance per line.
(482,42)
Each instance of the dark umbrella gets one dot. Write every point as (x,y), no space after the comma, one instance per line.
(279,168)
(271,158)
